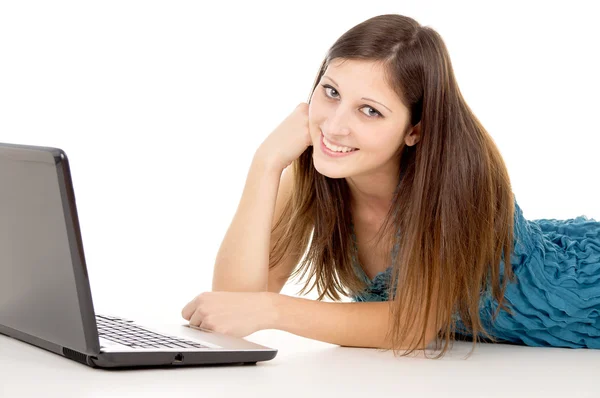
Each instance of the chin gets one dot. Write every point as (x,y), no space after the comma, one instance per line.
(328,170)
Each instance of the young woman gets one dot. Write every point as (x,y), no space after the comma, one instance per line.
(397,197)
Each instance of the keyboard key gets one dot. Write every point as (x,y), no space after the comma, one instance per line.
(126,332)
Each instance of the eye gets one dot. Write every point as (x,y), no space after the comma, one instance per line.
(377,114)
(327,87)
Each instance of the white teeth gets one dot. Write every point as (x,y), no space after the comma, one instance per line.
(337,148)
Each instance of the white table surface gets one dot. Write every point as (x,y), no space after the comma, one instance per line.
(305,367)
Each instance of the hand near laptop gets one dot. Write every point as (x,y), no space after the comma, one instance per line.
(236,314)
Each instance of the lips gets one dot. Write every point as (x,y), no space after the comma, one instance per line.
(333,154)
(336,144)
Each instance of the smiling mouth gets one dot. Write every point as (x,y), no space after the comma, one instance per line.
(323,139)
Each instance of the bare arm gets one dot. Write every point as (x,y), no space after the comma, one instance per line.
(243,258)
(242,262)
(362,324)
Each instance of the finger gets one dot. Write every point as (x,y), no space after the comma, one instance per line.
(188,310)
(196,318)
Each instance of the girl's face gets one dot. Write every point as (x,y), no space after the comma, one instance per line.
(353,107)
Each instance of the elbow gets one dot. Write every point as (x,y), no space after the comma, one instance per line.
(409,344)
(430,338)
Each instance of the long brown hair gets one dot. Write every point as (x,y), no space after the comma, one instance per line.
(454,203)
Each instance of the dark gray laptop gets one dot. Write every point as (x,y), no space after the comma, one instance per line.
(45,296)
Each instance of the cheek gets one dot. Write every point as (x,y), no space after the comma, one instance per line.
(314,110)
(315,119)
(378,142)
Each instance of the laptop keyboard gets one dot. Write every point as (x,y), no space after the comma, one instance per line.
(126,332)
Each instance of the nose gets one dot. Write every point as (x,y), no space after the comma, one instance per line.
(338,123)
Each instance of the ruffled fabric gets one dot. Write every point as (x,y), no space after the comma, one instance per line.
(555,299)
(376,289)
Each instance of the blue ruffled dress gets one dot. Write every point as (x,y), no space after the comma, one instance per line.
(556,297)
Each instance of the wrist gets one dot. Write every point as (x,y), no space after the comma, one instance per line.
(273,312)
(268,162)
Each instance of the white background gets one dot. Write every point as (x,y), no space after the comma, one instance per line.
(160,106)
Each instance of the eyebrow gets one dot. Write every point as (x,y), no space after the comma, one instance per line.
(365,98)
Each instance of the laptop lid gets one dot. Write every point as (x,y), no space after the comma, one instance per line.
(44,287)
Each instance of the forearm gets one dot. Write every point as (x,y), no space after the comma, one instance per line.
(243,258)
(346,324)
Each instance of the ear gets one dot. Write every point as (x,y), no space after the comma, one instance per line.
(414,135)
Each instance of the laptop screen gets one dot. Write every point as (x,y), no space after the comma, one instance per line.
(38,293)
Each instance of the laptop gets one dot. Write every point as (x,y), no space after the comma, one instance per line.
(45,295)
